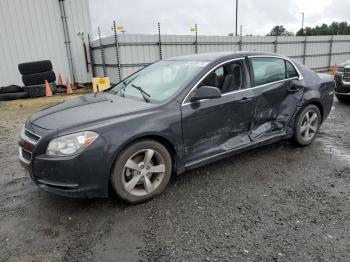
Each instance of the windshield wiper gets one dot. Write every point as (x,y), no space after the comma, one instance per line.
(143,92)
(121,90)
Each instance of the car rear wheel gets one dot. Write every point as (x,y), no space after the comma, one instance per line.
(142,171)
(307,125)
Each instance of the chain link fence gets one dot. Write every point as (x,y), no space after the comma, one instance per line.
(119,55)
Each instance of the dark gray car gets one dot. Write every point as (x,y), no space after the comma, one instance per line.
(342,80)
(171,116)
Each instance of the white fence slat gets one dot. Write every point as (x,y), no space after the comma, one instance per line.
(136,50)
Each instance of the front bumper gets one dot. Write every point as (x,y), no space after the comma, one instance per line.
(342,87)
(84,175)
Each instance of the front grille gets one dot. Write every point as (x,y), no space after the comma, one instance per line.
(346,76)
(28,141)
(31,135)
(26,154)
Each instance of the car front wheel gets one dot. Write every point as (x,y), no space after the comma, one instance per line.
(307,125)
(141,171)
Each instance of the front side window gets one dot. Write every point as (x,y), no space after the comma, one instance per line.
(227,78)
(159,81)
(268,69)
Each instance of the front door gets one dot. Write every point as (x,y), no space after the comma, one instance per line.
(214,126)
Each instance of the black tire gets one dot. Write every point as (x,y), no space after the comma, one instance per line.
(344,99)
(39,90)
(119,169)
(13,96)
(39,78)
(61,89)
(298,138)
(35,67)
(10,89)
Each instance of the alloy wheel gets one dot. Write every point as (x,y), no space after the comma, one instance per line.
(143,172)
(309,125)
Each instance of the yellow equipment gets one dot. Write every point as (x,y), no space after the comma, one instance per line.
(100,83)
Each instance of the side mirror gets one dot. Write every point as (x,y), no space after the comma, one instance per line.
(206,92)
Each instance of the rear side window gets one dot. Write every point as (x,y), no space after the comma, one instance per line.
(291,72)
(268,69)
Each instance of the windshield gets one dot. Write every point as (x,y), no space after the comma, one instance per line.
(159,81)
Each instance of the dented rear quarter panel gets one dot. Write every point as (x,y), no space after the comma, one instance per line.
(318,89)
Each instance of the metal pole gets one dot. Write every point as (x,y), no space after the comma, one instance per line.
(330,52)
(196,41)
(240,38)
(102,52)
(116,42)
(302,23)
(67,40)
(275,45)
(236,17)
(304,55)
(92,63)
(85,53)
(159,43)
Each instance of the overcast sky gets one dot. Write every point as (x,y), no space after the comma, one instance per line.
(214,17)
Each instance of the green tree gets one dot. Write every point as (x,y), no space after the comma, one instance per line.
(335,28)
(279,30)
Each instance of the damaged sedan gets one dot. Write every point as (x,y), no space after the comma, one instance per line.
(171,116)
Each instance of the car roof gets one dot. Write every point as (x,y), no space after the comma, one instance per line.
(219,55)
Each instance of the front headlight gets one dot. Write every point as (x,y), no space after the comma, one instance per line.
(70,144)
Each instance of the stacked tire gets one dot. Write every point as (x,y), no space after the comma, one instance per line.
(34,75)
(12,92)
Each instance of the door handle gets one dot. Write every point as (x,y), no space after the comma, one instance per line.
(294,89)
(245,99)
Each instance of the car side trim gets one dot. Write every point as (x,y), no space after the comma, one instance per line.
(229,151)
(210,157)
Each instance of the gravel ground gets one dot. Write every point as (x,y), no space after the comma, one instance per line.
(275,203)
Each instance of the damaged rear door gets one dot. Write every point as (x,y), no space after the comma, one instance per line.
(277,91)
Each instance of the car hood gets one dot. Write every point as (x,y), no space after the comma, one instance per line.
(86,109)
(325,77)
